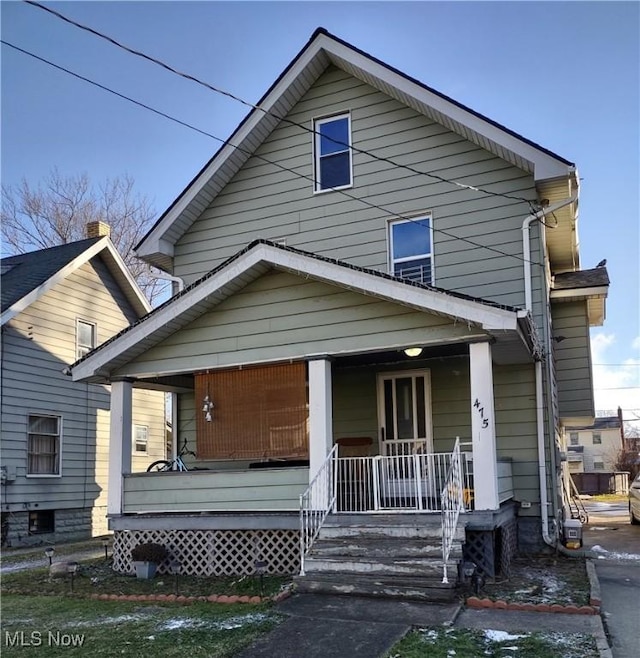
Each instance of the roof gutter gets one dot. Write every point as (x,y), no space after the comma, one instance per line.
(542,462)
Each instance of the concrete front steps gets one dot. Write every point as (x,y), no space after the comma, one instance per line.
(383,555)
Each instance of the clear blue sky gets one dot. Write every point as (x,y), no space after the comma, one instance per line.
(563,74)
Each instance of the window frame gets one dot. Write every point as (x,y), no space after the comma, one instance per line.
(317,156)
(94,335)
(134,440)
(392,261)
(572,436)
(59,446)
(598,436)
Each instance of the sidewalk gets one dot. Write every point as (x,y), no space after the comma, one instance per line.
(324,626)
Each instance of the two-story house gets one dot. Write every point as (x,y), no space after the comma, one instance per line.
(595,447)
(57,305)
(365,343)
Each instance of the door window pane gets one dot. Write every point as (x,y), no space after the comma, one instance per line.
(404,408)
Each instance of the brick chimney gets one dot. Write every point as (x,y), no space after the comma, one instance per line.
(98,229)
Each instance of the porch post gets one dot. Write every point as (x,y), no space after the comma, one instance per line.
(119,443)
(483,428)
(320,414)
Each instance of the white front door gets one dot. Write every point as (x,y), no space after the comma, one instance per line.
(404,412)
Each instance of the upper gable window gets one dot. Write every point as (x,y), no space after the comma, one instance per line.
(332,152)
(85,338)
(411,249)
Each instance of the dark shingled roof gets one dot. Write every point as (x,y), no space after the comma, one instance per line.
(603,423)
(23,273)
(581,279)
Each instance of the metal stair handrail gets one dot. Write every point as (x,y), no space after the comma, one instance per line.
(316,502)
(574,502)
(452,498)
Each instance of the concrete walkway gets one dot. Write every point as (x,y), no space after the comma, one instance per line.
(323,626)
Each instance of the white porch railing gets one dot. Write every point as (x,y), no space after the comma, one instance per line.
(452,504)
(316,502)
(397,482)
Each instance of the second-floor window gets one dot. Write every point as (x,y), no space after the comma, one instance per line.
(411,249)
(573,438)
(332,140)
(597,438)
(43,445)
(85,338)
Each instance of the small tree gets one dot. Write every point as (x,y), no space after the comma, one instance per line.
(57,210)
(628,460)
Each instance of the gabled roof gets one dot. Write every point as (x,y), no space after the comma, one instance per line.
(26,277)
(257,259)
(322,50)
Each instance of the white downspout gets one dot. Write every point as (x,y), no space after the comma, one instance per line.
(542,463)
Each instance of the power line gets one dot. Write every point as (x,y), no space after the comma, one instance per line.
(224,142)
(285,119)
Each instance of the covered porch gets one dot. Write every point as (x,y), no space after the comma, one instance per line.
(279,356)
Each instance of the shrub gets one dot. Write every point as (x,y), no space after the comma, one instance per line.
(149,552)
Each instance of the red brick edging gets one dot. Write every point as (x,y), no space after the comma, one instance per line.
(475,602)
(172,598)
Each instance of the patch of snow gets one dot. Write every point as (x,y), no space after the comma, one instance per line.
(178,623)
(501,636)
(120,619)
(608,555)
(429,634)
(509,648)
(150,637)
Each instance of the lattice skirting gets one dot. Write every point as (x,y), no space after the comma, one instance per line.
(492,550)
(214,552)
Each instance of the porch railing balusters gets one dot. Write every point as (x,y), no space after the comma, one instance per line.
(316,503)
(452,498)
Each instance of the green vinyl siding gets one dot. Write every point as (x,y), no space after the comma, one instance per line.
(573,359)
(262,201)
(202,491)
(281,316)
(355,412)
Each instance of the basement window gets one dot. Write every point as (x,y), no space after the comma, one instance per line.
(42,521)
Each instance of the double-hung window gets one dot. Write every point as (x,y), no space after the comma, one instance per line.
(140,439)
(332,152)
(411,249)
(43,445)
(85,337)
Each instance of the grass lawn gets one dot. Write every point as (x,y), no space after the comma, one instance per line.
(444,643)
(97,577)
(68,626)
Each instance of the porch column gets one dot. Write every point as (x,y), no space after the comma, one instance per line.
(320,414)
(483,428)
(119,442)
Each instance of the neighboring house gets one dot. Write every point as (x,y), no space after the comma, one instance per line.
(595,447)
(57,305)
(335,296)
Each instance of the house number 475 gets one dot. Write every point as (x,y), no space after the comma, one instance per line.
(477,405)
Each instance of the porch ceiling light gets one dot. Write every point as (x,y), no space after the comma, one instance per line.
(413,351)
